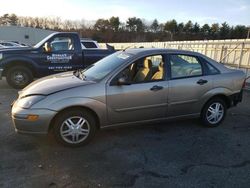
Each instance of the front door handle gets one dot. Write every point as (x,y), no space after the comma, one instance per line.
(156,88)
(201,82)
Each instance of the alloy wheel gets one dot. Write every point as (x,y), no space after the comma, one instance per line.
(215,113)
(74,129)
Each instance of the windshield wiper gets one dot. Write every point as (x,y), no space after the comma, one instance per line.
(79,74)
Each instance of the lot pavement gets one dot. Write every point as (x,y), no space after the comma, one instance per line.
(170,154)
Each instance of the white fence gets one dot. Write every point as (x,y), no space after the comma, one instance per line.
(235,53)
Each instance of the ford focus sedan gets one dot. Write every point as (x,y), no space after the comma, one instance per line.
(129,87)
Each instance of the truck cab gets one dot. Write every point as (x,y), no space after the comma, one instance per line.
(56,53)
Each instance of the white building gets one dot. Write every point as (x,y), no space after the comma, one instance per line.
(26,35)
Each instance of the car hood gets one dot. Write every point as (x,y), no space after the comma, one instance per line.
(16,50)
(52,84)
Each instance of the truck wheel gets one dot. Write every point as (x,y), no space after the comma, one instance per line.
(18,77)
(214,112)
(74,127)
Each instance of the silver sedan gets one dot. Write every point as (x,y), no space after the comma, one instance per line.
(128,87)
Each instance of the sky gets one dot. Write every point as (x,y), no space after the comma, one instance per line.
(234,12)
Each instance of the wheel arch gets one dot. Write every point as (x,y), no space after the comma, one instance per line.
(75,108)
(19,62)
(224,97)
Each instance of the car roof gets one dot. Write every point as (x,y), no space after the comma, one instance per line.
(87,39)
(159,50)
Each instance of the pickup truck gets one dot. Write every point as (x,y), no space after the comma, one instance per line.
(21,65)
(89,43)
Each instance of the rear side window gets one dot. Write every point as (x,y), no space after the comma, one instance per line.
(89,44)
(210,69)
(184,66)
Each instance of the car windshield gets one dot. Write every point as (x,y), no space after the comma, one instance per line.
(103,67)
(39,44)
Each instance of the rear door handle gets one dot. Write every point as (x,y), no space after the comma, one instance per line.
(156,88)
(201,82)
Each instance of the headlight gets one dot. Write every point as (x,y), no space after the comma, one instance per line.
(1,56)
(27,102)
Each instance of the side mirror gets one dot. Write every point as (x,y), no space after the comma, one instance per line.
(123,81)
(47,47)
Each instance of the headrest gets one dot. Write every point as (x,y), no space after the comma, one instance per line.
(147,63)
(160,66)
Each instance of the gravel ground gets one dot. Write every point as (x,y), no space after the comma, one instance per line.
(170,154)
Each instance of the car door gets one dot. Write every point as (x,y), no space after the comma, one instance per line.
(61,55)
(139,99)
(187,85)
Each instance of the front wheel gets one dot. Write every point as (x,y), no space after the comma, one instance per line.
(74,127)
(18,77)
(214,112)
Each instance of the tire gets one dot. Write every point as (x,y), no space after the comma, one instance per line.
(214,112)
(19,77)
(74,127)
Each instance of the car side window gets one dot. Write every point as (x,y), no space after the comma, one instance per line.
(212,70)
(62,44)
(89,44)
(146,69)
(184,66)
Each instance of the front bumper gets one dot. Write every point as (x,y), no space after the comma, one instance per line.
(39,126)
(1,73)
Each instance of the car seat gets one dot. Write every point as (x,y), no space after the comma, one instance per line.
(145,72)
(159,74)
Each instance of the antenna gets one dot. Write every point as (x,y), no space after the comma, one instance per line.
(126,48)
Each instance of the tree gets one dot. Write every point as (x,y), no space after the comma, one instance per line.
(188,27)
(155,26)
(55,23)
(131,24)
(206,29)
(215,28)
(196,28)
(114,23)
(140,26)
(5,19)
(225,31)
(37,22)
(161,27)
(102,25)
(171,26)
(82,24)
(133,30)
(13,19)
(135,25)
(239,31)
(180,27)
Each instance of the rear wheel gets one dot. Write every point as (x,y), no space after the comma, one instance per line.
(214,112)
(18,77)
(74,127)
